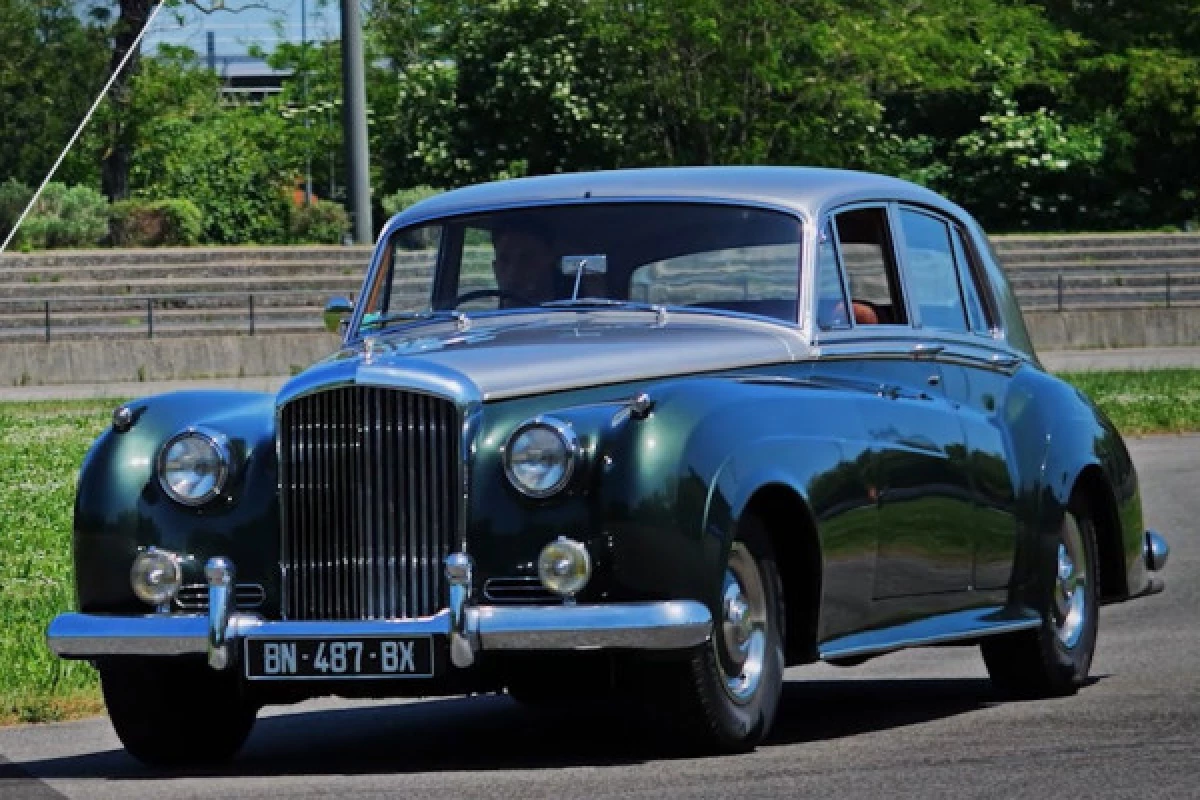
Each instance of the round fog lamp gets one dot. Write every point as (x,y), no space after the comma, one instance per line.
(564,566)
(155,576)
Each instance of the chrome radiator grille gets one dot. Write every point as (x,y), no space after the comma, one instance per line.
(368,485)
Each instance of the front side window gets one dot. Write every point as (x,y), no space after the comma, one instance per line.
(930,269)
(682,254)
(832,312)
(867,257)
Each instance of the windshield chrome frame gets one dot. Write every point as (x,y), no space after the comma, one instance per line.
(409,220)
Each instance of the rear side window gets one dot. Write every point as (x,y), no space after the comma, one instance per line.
(932,276)
(870,266)
(967,274)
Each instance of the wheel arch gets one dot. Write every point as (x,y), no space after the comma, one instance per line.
(1093,487)
(792,530)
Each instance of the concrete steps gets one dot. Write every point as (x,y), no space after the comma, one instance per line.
(207,290)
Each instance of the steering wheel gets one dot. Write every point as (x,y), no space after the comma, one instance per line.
(479,294)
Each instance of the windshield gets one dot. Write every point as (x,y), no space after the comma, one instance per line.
(684,254)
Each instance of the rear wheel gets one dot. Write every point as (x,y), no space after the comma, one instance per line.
(732,685)
(176,713)
(1054,659)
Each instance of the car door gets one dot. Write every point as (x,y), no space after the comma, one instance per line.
(918,481)
(977,372)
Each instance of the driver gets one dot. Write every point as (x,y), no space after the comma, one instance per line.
(524,265)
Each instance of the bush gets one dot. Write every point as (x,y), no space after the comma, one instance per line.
(14,196)
(155,223)
(403,198)
(65,217)
(322,222)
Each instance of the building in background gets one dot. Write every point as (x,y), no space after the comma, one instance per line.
(224,39)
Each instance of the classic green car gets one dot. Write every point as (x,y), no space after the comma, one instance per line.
(647,434)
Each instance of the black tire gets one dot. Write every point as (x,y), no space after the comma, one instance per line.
(719,721)
(173,713)
(1053,659)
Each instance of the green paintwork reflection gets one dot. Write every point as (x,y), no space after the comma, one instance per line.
(908,501)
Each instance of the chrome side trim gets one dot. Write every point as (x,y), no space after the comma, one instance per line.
(664,625)
(1156,551)
(956,626)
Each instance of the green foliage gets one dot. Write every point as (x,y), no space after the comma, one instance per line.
(1027,166)
(322,222)
(1039,115)
(232,164)
(505,88)
(403,198)
(53,62)
(155,223)
(65,217)
(14,197)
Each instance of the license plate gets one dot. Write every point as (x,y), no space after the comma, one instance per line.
(318,658)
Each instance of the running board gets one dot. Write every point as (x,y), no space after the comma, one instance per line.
(942,629)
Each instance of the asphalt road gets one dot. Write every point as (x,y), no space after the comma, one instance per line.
(916,724)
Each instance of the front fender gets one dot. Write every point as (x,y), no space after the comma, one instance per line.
(120,507)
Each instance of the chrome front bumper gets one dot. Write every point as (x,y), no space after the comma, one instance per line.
(665,625)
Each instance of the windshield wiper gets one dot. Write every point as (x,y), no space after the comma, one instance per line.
(659,311)
(414,316)
(597,302)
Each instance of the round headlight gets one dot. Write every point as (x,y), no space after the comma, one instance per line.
(155,576)
(192,467)
(564,566)
(540,456)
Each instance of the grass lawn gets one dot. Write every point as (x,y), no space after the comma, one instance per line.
(42,445)
(1154,401)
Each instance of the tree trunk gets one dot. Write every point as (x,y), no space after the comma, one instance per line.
(114,174)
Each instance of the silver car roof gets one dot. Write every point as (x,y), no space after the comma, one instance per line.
(805,190)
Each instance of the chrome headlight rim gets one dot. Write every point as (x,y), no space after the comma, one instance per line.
(220,445)
(571,445)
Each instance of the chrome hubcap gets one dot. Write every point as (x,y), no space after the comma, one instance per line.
(1070,585)
(742,641)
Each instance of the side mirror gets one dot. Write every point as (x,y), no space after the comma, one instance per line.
(337,314)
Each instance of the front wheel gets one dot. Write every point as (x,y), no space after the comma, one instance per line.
(1054,659)
(733,685)
(171,713)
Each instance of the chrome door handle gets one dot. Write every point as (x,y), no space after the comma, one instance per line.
(927,350)
(1004,362)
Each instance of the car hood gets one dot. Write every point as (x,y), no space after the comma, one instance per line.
(505,356)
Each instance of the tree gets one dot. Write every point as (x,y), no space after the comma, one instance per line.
(50,71)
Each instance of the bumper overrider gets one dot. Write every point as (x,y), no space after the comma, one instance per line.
(664,625)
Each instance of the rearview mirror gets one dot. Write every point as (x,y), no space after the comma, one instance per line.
(589,265)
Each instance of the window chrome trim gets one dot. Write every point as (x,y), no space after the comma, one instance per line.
(403,222)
